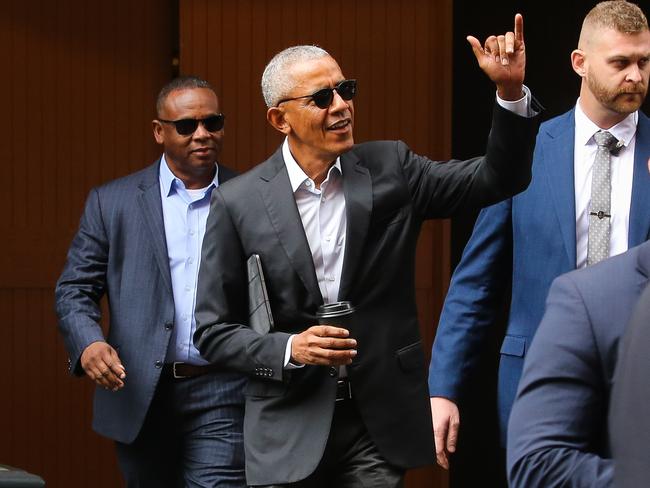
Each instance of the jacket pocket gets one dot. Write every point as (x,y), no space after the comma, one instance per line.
(514,346)
(411,357)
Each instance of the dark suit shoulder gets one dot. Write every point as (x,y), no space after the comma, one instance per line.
(368,152)
(148,175)
(372,146)
(267,170)
(557,123)
(612,273)
(237,183)
(226,174)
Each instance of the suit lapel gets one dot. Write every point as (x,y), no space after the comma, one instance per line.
(150,205)
(640,205)
(558,147)
(280,204)
(357,188)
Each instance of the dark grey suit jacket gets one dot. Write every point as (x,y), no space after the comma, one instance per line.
(557,435)
(629,422)
(389,192)
(120,250)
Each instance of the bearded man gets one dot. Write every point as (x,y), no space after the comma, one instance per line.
(588,200)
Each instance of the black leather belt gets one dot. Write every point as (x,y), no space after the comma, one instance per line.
(343,390)
(180,371)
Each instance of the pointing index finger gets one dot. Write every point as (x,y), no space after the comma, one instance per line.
(519,27)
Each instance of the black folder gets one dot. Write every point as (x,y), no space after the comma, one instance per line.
(260,317)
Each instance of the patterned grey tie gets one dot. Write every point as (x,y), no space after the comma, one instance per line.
(599,208)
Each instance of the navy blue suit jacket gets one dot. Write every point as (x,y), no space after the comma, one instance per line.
(120,250)
(557,434)
(526,241)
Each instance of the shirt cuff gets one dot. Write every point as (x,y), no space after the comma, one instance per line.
(520,107)
(288,364)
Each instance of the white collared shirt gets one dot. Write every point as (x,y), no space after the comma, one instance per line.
(622,170)
(322,212)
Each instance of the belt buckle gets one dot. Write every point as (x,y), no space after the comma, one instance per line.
(176,375)
(347,395)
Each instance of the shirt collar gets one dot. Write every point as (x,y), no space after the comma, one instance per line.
(169,182)
(585,129)
(297,176)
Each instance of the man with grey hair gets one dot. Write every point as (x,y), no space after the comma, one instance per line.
(277,81)
(333,221)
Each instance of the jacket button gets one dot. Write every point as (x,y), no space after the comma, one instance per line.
(333,372)
(169,326)
(158,364)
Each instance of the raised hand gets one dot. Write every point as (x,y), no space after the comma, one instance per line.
(503,59)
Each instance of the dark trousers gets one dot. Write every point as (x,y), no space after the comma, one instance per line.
(351,459)
(192,436)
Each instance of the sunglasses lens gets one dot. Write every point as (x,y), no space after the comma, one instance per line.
(323,98)
(185,127)
(347,89)
(213,123)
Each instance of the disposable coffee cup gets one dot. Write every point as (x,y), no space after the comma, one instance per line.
(337,313)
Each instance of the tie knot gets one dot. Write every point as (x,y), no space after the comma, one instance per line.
(605,139)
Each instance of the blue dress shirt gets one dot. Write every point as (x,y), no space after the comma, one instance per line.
(185,213)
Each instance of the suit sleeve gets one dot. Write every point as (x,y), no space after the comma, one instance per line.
(558,419)
(441,189)
(222,334)
(473,301)
(82,284)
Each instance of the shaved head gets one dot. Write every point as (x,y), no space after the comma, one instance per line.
(619,15)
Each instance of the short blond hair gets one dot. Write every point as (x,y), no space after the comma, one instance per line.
(620,15)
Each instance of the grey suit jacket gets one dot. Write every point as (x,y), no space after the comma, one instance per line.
(557,435)
(120,251)
(389,192)
(629,423)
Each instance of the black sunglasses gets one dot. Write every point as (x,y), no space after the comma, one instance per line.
(187,127)
(346,89)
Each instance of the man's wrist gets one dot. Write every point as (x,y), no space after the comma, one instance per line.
(511,93)
(522,106)
(288,363)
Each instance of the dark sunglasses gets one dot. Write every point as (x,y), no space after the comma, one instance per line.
(186,127)
(346,89)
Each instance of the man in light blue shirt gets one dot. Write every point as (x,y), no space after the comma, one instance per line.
(176,419)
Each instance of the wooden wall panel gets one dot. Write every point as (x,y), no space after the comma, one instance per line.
(400,51)
(80,80)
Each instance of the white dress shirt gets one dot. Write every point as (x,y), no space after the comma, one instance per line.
(322,212)
(622,169)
